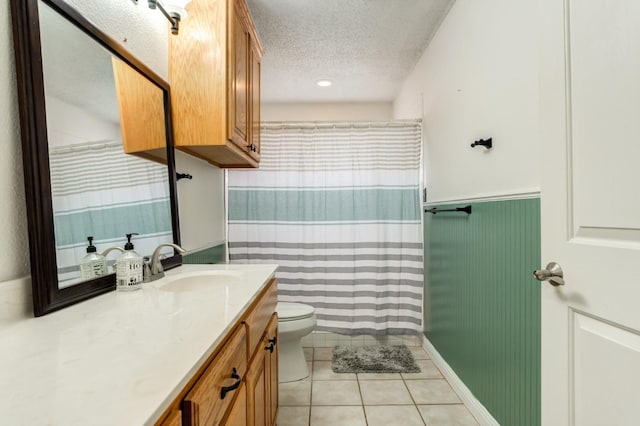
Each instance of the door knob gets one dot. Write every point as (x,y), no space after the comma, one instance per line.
(553,274)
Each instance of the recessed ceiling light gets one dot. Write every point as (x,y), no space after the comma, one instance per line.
(324,83)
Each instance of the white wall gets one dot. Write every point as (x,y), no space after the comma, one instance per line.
(345,111)
(145,32)
(478,78)
(140,30)
(69,124)
(201,206)
(14,261)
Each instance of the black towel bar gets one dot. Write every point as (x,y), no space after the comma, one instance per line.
(466,209)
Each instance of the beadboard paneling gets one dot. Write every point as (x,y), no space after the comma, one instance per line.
(482,304)
(210,255)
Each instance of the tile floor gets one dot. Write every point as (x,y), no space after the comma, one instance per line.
(331,399)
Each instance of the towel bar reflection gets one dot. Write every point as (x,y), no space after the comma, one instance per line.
(465,209)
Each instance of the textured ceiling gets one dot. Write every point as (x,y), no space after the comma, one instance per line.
(366,47)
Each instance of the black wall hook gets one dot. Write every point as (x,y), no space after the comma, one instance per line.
(487,143)
(183,176)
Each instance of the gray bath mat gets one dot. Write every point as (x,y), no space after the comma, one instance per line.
(373,359)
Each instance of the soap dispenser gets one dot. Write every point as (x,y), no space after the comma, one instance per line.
(129,268)
(93,264)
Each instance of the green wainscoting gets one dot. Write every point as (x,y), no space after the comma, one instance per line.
(482,304)
(210,255)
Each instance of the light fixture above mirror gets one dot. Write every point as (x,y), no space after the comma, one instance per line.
(173,10)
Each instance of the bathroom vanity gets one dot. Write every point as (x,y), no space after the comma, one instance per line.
(198,346)
(244,363)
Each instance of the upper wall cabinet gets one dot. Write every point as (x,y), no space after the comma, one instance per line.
(214,72)
(141,107)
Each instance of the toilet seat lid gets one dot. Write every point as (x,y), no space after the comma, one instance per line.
(290,311)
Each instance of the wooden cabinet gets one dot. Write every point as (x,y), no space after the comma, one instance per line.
(238,414)
(141,108)
(239,82)
(174,419)
(257,320)
(255,64)
(214,71)
(262,382)
(272,333)
(258,386)
(214,392)
(238,385)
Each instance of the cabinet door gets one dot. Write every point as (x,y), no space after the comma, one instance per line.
(258,387)
(141,108)
(272,371)
(238,105)
(258,319)
(254,141)
(262,379)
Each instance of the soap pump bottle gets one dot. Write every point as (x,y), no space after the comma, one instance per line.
(93,264)
(129,268)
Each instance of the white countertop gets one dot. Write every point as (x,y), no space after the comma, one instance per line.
(120,358)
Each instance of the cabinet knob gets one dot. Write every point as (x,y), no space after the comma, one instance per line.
(273,342)
(252,147)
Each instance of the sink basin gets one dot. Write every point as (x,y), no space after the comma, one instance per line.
(201,280)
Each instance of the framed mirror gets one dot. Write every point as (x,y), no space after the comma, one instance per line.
(84,101)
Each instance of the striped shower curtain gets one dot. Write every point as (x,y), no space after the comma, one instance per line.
(337,206)
(98,190)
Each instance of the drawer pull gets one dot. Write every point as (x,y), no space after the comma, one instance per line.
(272,345)
(234,386)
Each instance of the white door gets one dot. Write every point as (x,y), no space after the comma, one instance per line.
(590,121)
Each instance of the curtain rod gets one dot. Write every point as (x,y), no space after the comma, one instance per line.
(338,124)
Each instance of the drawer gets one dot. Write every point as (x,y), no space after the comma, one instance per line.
(174,419)
(259,316)
(204,404)
(238,414)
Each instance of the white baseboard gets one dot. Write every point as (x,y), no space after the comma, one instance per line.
(475,407)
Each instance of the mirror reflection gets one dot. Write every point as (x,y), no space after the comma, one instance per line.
(95,103)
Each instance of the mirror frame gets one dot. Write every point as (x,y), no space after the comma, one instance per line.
(47,297)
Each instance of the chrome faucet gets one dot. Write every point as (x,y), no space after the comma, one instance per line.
(153,268)
(109,250)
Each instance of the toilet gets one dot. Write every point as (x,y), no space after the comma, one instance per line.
(295,320)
